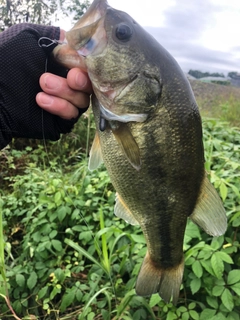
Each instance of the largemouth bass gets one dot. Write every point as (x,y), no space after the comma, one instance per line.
(149,136)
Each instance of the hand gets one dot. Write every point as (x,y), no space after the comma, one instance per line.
(23,62)
(62,96)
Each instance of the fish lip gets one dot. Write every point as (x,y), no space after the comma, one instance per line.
(127,117)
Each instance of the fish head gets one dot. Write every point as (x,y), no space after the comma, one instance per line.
(117,54)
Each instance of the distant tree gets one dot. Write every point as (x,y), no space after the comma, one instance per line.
(216,74)
(196,73)
(232,74)
(78,8)
(199,74)
(39,11)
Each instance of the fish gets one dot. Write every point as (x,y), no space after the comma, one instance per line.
(149,136)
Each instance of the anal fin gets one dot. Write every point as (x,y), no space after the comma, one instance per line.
(209,213)
(121,210)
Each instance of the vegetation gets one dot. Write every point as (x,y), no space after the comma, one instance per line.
(38,11)
(68,257)
(225,111)
(199,74)
(233,74)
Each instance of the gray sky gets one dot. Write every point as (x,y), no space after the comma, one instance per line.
(200,34)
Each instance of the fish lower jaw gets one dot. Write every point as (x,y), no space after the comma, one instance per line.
(125,117)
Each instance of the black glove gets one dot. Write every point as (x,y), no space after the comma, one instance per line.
(22,62)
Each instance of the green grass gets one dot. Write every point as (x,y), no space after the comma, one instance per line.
(225,111)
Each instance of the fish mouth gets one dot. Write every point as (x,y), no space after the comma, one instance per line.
(127,117)
(88,36)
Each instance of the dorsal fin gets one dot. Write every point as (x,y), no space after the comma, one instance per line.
(95,158)
(127,143)
(209,213)
(121,210)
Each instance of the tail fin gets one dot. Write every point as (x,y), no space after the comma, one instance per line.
(166,282)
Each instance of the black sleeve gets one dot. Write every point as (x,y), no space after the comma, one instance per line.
(22,62)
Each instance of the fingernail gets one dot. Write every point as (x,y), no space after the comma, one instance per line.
(51,82)
(80,80)
(45,100)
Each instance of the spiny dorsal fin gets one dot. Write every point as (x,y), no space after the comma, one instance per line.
(209,213)
(121,210)
(127,142)
(95,158)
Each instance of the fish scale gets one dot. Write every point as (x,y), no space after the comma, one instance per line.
(149,136)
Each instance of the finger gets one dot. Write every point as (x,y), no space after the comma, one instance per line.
(62,34)
(79,80)
(57,86)
(58,106)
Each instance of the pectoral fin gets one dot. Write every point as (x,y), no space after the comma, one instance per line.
(127,142)
(209,213)
(95,158)
(121,210)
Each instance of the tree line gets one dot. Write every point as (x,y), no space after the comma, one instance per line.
(199,74)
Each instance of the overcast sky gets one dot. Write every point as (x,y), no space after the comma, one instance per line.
(200,34)
(203,35)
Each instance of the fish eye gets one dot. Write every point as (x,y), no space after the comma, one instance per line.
(123,32)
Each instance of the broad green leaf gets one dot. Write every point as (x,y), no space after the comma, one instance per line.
(223,191)
(224,256)
(53,234)
(217,290)
(227,299)
(194,315)
(91,316)
(207,314)
(195,285)
(233,276)
(185,316)
(61,213)
(57,197)
(20,279)
(197,268)
(138,238)
(217,265)
(212,301)
(32,280)
(233,316)
(42,292)
(219,316)
(207,266)
(182,309)
(57,245)
(217,242)
(192,305)
(56,289)
(171,316)
(67,299)
(154,300)
(236,288)
(140,314)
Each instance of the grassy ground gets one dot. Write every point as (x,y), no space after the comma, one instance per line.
(217,101)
